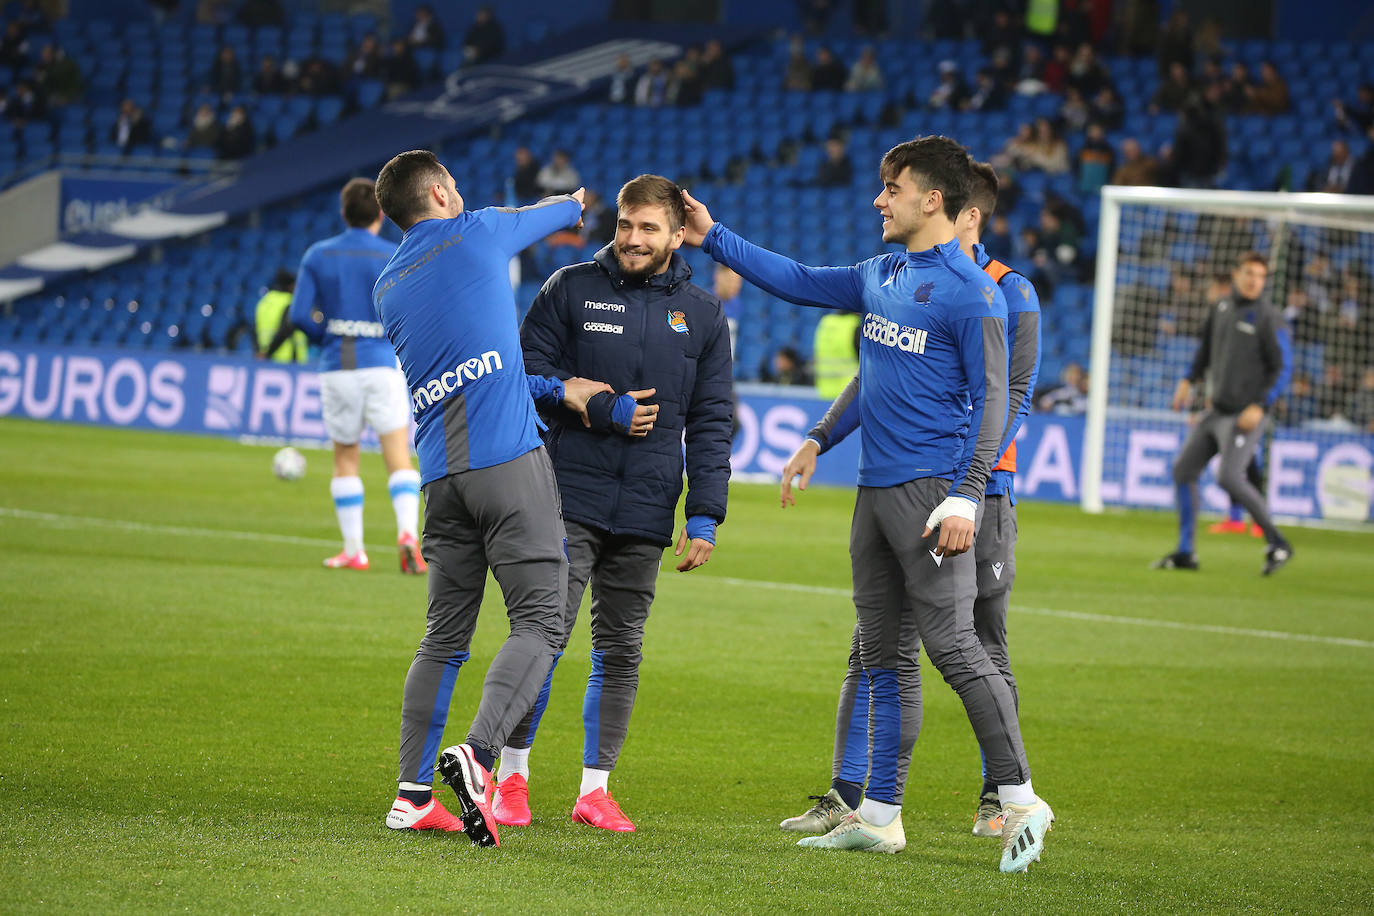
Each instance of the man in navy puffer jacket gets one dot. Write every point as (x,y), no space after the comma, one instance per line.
(630,318)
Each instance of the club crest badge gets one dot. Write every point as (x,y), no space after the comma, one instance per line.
(678,322)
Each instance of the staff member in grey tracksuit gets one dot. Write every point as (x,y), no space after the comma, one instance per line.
(1239,357)
(632,316)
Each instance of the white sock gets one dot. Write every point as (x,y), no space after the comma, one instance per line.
(348,505)
(1017,795)
(404,487)
(593,780)
(415,787)
(514,761)
(877,813)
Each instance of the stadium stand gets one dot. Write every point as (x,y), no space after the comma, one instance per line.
(754,149)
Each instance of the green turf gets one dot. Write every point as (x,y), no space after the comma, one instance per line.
(209,723)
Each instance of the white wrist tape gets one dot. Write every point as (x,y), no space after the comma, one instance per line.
(952,507)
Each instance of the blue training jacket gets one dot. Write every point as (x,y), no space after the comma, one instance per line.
(933,344)
(662,333)
(335,279)
(445,300)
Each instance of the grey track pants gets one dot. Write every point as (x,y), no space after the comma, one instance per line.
(506,518)
(1216,432)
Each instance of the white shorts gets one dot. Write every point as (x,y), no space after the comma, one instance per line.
(352,397)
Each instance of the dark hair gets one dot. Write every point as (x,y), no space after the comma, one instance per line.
(983,187)
(403,186)
(1252,257)
(283,280)
(358,201)
(938,164)
(654,191)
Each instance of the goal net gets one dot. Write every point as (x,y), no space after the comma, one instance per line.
(1164,255)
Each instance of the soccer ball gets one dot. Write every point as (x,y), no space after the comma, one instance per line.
(288,464)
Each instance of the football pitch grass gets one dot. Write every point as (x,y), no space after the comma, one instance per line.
(199,717)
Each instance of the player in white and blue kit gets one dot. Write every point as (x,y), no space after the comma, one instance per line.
(359,379)
(491,501)
(933,370)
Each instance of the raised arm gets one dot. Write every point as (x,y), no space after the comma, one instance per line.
(517,228)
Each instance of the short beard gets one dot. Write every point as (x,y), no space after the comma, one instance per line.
(654,266)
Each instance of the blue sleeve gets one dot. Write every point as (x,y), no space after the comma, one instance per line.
(519,228)
(821,287)
(303,300)
(546,391)
(1285,338)
(979,325)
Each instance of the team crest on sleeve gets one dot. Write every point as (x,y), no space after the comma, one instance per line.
(678,322)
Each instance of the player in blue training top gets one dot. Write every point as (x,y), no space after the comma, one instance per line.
(994,546)
(446,303)
(933,365)
(359,379)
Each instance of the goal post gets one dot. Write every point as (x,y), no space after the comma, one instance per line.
(1163,256)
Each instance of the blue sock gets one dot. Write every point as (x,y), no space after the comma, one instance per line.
(849,792)
(1187,516)
(417,797)
(1237,513)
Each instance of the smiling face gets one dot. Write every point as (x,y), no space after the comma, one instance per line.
(645,240)
(904,205)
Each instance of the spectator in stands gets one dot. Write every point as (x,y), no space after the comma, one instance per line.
(131,128)
(27,104)
(1030,76)
(1360,410)
(426,31)
(598,218)
(269,79)
(835,171)
(318,78)
(205,129)
(797,76)
(400,71)
(258,13)
(1086,72)
(1305,320)
(1136,168)
(815,15)
(226,74)
(1335,178)
(1362,173)
(1299,405)
(1200,145)
(1001,34)
(997,239)
(684,86)
(1096,160)
(1175,44)
(828,73)
(559,176)
(485,40)
(786,367)
(1358,116)
(652,89)
(366,62)
(1047,152)
(239,139)
(1270,97)
(1056,70)
(1074,112)
(1070,396)
(1016,152)
(1176,89)
(524,180)
(865,75)
(1235,89)
(988,94)
(1058,239)
(717,72)
(727,284)
(56,76)
(1106,107)
(14,46)
(622,89)
(950,93)
(1334,393)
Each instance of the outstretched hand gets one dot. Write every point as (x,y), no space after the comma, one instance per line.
(699,221)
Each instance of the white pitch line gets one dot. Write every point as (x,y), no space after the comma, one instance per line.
(1079,615)
(55,518)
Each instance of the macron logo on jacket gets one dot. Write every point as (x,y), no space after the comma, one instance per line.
(440,387)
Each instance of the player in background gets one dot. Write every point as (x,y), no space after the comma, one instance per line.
(1240,357)
(933,408)
(631,317)
(445,301)
(359,381)
(268,316)
(994,545)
